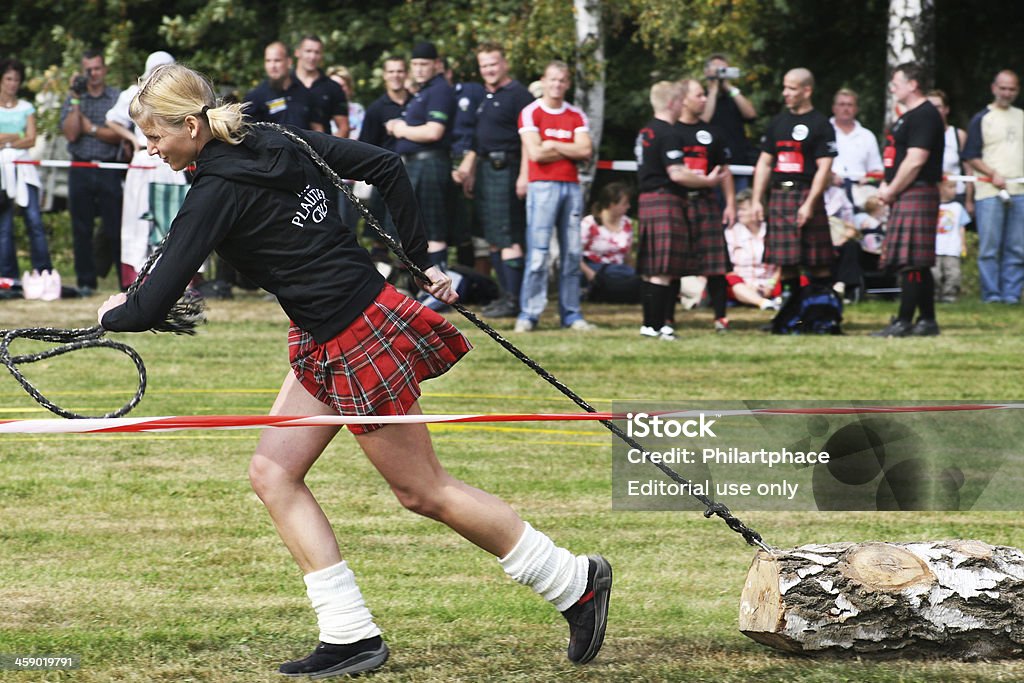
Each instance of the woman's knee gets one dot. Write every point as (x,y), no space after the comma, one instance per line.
(426,501)
(267,475)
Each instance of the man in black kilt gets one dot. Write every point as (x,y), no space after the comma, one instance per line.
(796,160)
(705,150)
(913,168)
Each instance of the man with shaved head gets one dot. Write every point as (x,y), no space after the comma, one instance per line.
(794,165)
(995,148)
(281,98)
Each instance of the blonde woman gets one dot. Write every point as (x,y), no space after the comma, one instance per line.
(357,347)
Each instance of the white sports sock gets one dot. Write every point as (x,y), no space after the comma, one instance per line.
(556,574)
(340,611)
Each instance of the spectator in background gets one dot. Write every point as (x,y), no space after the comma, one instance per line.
(856,147)
(424,140)
(730,110)
(950,244)
(471,249)
(489,172)
(92,192)
(796,159)
(555,137)
(870,224)
(995,148)
(280,98)
(20,187)
(706,162)
(374,132)
(751,281)
(956,138)
(328,98)
(144,170)
(913,168)
(607,240)
(343,78)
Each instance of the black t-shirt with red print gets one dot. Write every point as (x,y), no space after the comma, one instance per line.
(797,141)
(920,127)
(704,147)
(658,146)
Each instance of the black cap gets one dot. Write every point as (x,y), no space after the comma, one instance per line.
(424,50)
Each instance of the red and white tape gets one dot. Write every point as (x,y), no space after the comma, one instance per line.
(193,422)
(63,163)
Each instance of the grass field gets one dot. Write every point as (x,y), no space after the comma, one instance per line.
(150,558)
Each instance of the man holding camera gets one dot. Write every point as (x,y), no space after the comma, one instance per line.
(489,172)
(92,192)
(728,109)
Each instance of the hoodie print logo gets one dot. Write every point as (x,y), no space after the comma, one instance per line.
(312,204)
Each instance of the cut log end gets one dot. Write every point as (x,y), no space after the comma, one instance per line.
(961,599)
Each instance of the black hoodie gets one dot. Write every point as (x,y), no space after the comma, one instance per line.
(268,210)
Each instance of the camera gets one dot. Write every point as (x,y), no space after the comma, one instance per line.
(79,85)
(727,73)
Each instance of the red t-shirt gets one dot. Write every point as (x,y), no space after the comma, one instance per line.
(553,124)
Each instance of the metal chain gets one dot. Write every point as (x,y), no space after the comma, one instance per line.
(712,508)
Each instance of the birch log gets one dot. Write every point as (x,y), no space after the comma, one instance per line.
(962,599)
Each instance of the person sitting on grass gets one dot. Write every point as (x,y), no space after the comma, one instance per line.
(607,235)
(751,281)
(357,348)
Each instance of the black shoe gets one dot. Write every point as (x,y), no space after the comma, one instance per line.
(896,328)
(589,616)
(329,660)
(925,328)
(505,307)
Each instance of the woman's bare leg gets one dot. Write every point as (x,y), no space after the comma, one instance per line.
(404,456)
(277,473)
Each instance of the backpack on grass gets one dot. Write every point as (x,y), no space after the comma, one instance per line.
(817,310)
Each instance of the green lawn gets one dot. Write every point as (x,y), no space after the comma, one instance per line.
(150,558)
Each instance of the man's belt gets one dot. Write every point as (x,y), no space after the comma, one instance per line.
(501,159)
(426,154)
(790,185)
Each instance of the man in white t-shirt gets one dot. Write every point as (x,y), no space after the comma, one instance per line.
(856,145)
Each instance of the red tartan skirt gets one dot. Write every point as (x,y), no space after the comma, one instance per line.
(910,235)
(788,245)
(374,366)
(707,234)
(664,241)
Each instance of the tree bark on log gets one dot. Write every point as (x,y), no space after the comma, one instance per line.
(962,599)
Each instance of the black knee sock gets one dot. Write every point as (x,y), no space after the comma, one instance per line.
(653,305)
(673,293)
(910,294)
(668,305)
(926,300)
(513,268)
(792,286)
(499,271)
(717,290)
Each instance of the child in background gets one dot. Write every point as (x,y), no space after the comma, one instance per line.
(752,281)
(950,244)
(870,223)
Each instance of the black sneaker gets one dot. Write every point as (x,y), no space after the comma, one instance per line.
(925,328)
(896,328)
(589,616)
(505,307)
(329,660)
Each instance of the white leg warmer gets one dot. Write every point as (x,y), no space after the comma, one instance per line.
(556,574)
(340,611)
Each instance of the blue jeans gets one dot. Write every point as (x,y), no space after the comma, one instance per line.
(1001,248)
(38,247)
(552,206)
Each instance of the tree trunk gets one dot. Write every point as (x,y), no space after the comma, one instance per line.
(590,79)
(962,599)
(911,39)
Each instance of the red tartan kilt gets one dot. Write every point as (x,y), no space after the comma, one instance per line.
(910,235)
(664,241)
(787,245)
(374,366)
(707,234)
